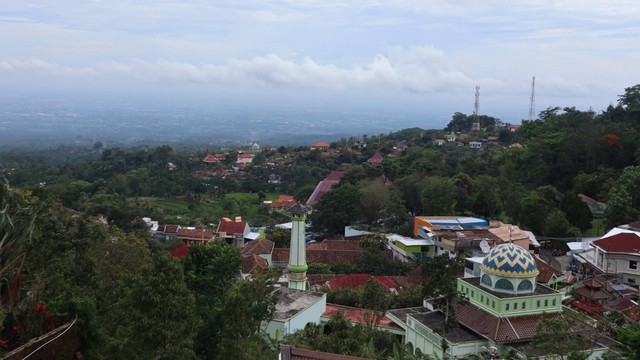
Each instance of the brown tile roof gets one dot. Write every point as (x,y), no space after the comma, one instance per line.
(253,264)
(201,234)
(375,159)
(288,352)
(623,242)
(501,330)
(357,315)
(352,281)
(334,245)
(257,247)
(281,255)
(168,229)
(546,271)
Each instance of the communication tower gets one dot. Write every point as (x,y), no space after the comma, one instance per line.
(532,105)
(476,118)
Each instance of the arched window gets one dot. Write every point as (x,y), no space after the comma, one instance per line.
(409,348)
(486,279)
(524,285)
(504,284)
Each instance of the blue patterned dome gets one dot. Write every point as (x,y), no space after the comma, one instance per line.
(509,260)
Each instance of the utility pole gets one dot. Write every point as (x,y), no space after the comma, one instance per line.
(532,105)
(476,119)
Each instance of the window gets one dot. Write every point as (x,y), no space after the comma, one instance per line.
(493,304)
(507,307)
(486,279)
(554,302)
(633,265)
(471,293)
(515,306)
(546,302)
(504,284)
(481,298)
(631,281)
(525,285)
(538,303)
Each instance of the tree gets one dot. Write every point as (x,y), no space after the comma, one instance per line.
(439,284)
(577,212)
(157,314)
(624,198)
(561,336)
(629,338)
(630,100)
(248,304)
(337,209)
(210,271)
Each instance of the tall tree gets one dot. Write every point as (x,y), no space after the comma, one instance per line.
(439,283)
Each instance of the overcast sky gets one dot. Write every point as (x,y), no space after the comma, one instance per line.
(582,52)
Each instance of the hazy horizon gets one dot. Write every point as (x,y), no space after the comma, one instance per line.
(372,66)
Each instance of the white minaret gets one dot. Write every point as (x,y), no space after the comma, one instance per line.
(297,251)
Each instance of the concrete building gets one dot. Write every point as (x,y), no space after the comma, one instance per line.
(504,305)
(294,309)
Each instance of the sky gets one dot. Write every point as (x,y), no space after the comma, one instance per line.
(424,55)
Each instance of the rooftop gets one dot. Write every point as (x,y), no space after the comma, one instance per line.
(357,315)
(622,242)
(291,302)
(434,320)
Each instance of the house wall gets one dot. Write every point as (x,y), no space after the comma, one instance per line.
(505,307)
(616,263)
(421,337)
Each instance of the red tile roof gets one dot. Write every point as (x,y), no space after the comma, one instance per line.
(245,156)
(357,315)
(253,264)
(501,330)
(352,281)
(200,234)
(283,201)
(280,255)
(231,227)
(319,144)
(210,159)
(257,247)
(623,242)
(325,186)
(375,159)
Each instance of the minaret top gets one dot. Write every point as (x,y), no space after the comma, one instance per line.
(298,209)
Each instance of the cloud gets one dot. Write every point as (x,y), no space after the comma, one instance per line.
(418,69)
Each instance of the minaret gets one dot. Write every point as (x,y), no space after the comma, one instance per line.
(297,250)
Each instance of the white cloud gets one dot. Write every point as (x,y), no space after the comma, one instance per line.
(418,69)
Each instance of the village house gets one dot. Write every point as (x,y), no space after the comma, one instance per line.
(319,146)
(233,232)
(190,236)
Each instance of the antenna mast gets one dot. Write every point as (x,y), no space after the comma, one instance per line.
(532,106)
(476,118)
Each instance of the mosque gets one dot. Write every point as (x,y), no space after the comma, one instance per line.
(502,307)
